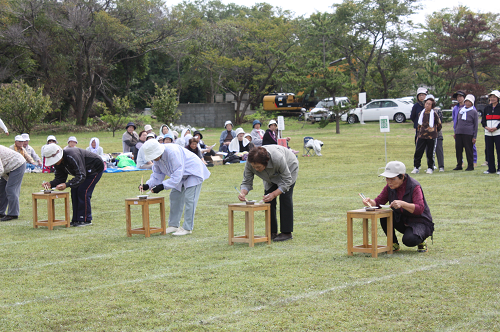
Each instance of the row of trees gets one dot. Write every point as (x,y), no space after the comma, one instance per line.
(85,52)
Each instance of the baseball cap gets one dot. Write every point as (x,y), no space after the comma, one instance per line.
(459,93)
(19,138)
(393,169)
(26,137)
(52,153)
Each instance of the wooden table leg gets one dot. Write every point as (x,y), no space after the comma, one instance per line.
(35,212)
(50,212)
(145,219)
(374,237)
(349,235)
(250,228)
(66,211)
(128,219)
(231,225)
(246,225)
(162,218)
(390,232)
(268,224)
(365,232)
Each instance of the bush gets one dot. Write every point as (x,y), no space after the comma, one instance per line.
(262,116)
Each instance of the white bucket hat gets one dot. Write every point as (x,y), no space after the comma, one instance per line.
(153,149)
(26,137)
(421,90)
(393,169)
(227,122)
(495,93)
(239,131)
(19,138)
(51,138)
(150,135)
(430,97)
(72,139)
(52,153)
(272,122)
(470,98)
(247,135)
(148,127)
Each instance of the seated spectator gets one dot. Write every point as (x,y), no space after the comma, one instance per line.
(94,147)
(271,134)
(226,136)
(30,150)
(183,140)
(142,139)
(160,139)
(248,137)
(168,138)
(240,143)
(204,148)
(257,133)
(175,134)
(130,138)
(18,147)
(194,148)
(149,130)
(164,129)
(72,142)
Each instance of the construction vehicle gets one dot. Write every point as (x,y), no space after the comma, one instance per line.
(286,102)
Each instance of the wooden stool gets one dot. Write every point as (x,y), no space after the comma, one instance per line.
(249,236)
(145,229)
(373,248)
(51,218)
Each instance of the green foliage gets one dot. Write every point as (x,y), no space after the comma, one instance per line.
(261,115)
(117,119)
(164,104)
(22,107)
(439,87)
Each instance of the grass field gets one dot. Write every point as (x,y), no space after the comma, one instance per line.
(98,279)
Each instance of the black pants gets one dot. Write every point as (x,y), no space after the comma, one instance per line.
(492,144)
(438,151)
(409,239)
(464,142)
(426,145)
(286,210)
(80,198)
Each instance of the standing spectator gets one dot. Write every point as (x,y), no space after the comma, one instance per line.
(417,108)
(130,138)
(438,147)
(257,133)
(12,167)
(226,136)
(87,169)
(18,147)
(428,126)
(278,167)
(491,124)
(4,128)
(185,173)
(72,142)
(51,139)
(466,133)
(94,147)
(460,97)
(30,150)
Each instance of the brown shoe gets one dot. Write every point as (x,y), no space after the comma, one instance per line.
(273,235)
(283,237)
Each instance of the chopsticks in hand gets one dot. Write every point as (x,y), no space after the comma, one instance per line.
(364,198)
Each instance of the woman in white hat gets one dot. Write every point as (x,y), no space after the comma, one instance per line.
(12,168)
(30,150)
(417,108)
(240,143)
(185,172)
(226,136)
(466,133)
(271,135)
(72,142)
(491,124)
(411,214)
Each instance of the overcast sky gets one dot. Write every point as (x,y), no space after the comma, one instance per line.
(305,8)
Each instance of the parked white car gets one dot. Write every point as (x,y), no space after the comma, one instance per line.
(395,109)
(322,109)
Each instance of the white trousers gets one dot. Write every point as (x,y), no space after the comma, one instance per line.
(186,200)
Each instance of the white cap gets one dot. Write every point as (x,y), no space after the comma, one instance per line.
(227,122)
(272,122)
(72,139)
(430,97)
(148,127)
(421,90)
(471,98)
(52,153)
(19,138)
(150,135)
(393,169)
(495,93)
(239,131)
(152,149)
(51,138)
(26,137)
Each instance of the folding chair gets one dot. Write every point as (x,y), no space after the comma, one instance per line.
(308,152)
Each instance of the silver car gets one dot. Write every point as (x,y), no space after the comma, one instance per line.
(395,109)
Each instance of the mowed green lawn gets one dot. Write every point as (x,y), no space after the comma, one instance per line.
(98,279)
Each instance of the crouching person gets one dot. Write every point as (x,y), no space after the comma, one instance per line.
(186,174)
(87,169)
(410,212)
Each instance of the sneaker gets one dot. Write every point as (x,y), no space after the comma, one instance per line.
(435,167)
(415,171)
(498,172)
(171,229)
(182,231)
(486,172)
(395,247)
(429,171)
(441,169)
(422,247)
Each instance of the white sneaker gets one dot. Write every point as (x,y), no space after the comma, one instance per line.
(429,171)
(415,171)
(182,231)
(498,172)
(171,229)
(435,167)
(441,169)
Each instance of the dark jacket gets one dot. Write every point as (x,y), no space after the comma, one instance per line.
(268,138)
(491,117)
(415,111)
(422,225)
(78,163)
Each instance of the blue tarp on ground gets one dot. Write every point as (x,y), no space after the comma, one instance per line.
(125,169)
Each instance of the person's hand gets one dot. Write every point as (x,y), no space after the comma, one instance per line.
(454,136)
(144,187)
(397,204)
(39,163)
(7,133)
(269,197)
(157,189)
(368,200)
(288,139)
(227,143)
(473,141)
(46,185)
(61,186)
(242,196)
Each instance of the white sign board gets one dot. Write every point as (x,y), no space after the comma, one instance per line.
(281,123)
(384,124)
(362,98)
